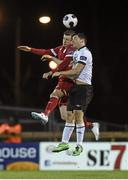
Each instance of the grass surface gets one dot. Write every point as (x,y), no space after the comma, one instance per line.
(63,174)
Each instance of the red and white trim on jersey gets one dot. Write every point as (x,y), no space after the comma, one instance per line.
(53,52)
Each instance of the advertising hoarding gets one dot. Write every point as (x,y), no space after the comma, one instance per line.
(96,156)
(19,156)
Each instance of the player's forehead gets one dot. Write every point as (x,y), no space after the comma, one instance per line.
(67,36)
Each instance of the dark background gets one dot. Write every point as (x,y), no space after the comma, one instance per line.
(106,25)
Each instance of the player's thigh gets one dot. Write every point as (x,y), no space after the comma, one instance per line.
(63,112)
(57,92)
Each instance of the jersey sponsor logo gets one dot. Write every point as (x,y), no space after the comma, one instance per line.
(83,58)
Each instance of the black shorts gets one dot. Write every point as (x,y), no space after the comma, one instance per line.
(79,97)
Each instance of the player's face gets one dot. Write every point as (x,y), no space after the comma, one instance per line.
(77,42)
(67,40)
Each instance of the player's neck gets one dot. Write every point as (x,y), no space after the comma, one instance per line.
(81,47)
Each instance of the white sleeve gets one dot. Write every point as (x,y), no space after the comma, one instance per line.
(83,57)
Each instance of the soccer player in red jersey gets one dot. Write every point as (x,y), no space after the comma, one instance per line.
(61,55)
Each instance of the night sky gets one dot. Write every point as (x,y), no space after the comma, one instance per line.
(106,25)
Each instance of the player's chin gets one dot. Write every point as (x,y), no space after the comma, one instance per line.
(65,44)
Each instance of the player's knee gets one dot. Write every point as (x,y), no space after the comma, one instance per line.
(79,116)
(56,93)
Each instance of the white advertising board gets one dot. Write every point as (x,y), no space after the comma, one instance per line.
(96,156)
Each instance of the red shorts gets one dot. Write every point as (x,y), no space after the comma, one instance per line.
(63,101)
(64,85)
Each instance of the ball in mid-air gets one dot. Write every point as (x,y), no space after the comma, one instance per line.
(70,21)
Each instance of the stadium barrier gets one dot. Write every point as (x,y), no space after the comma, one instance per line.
(54,136)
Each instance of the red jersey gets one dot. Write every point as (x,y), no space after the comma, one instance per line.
(60,52)
(65,54)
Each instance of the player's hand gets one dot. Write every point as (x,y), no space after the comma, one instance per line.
(24,48)
(46,57)
(46,75)
(56,74)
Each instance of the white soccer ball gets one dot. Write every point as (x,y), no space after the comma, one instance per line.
(70,20)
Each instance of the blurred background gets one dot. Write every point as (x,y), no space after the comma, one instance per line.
(22,88)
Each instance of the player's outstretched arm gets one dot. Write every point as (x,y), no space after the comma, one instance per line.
(35,50)
(24,48)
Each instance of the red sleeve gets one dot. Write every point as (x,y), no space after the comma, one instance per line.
(64,65)
(41,51)
(52,52)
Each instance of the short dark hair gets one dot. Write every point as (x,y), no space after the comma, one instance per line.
(82,36)
(69,32)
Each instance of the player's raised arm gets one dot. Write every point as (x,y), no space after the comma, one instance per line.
(51,52)
(35,50)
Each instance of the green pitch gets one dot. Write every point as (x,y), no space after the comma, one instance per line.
(64,174)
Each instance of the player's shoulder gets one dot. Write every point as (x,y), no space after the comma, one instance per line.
(59,47)
(85,50)
(70,49)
